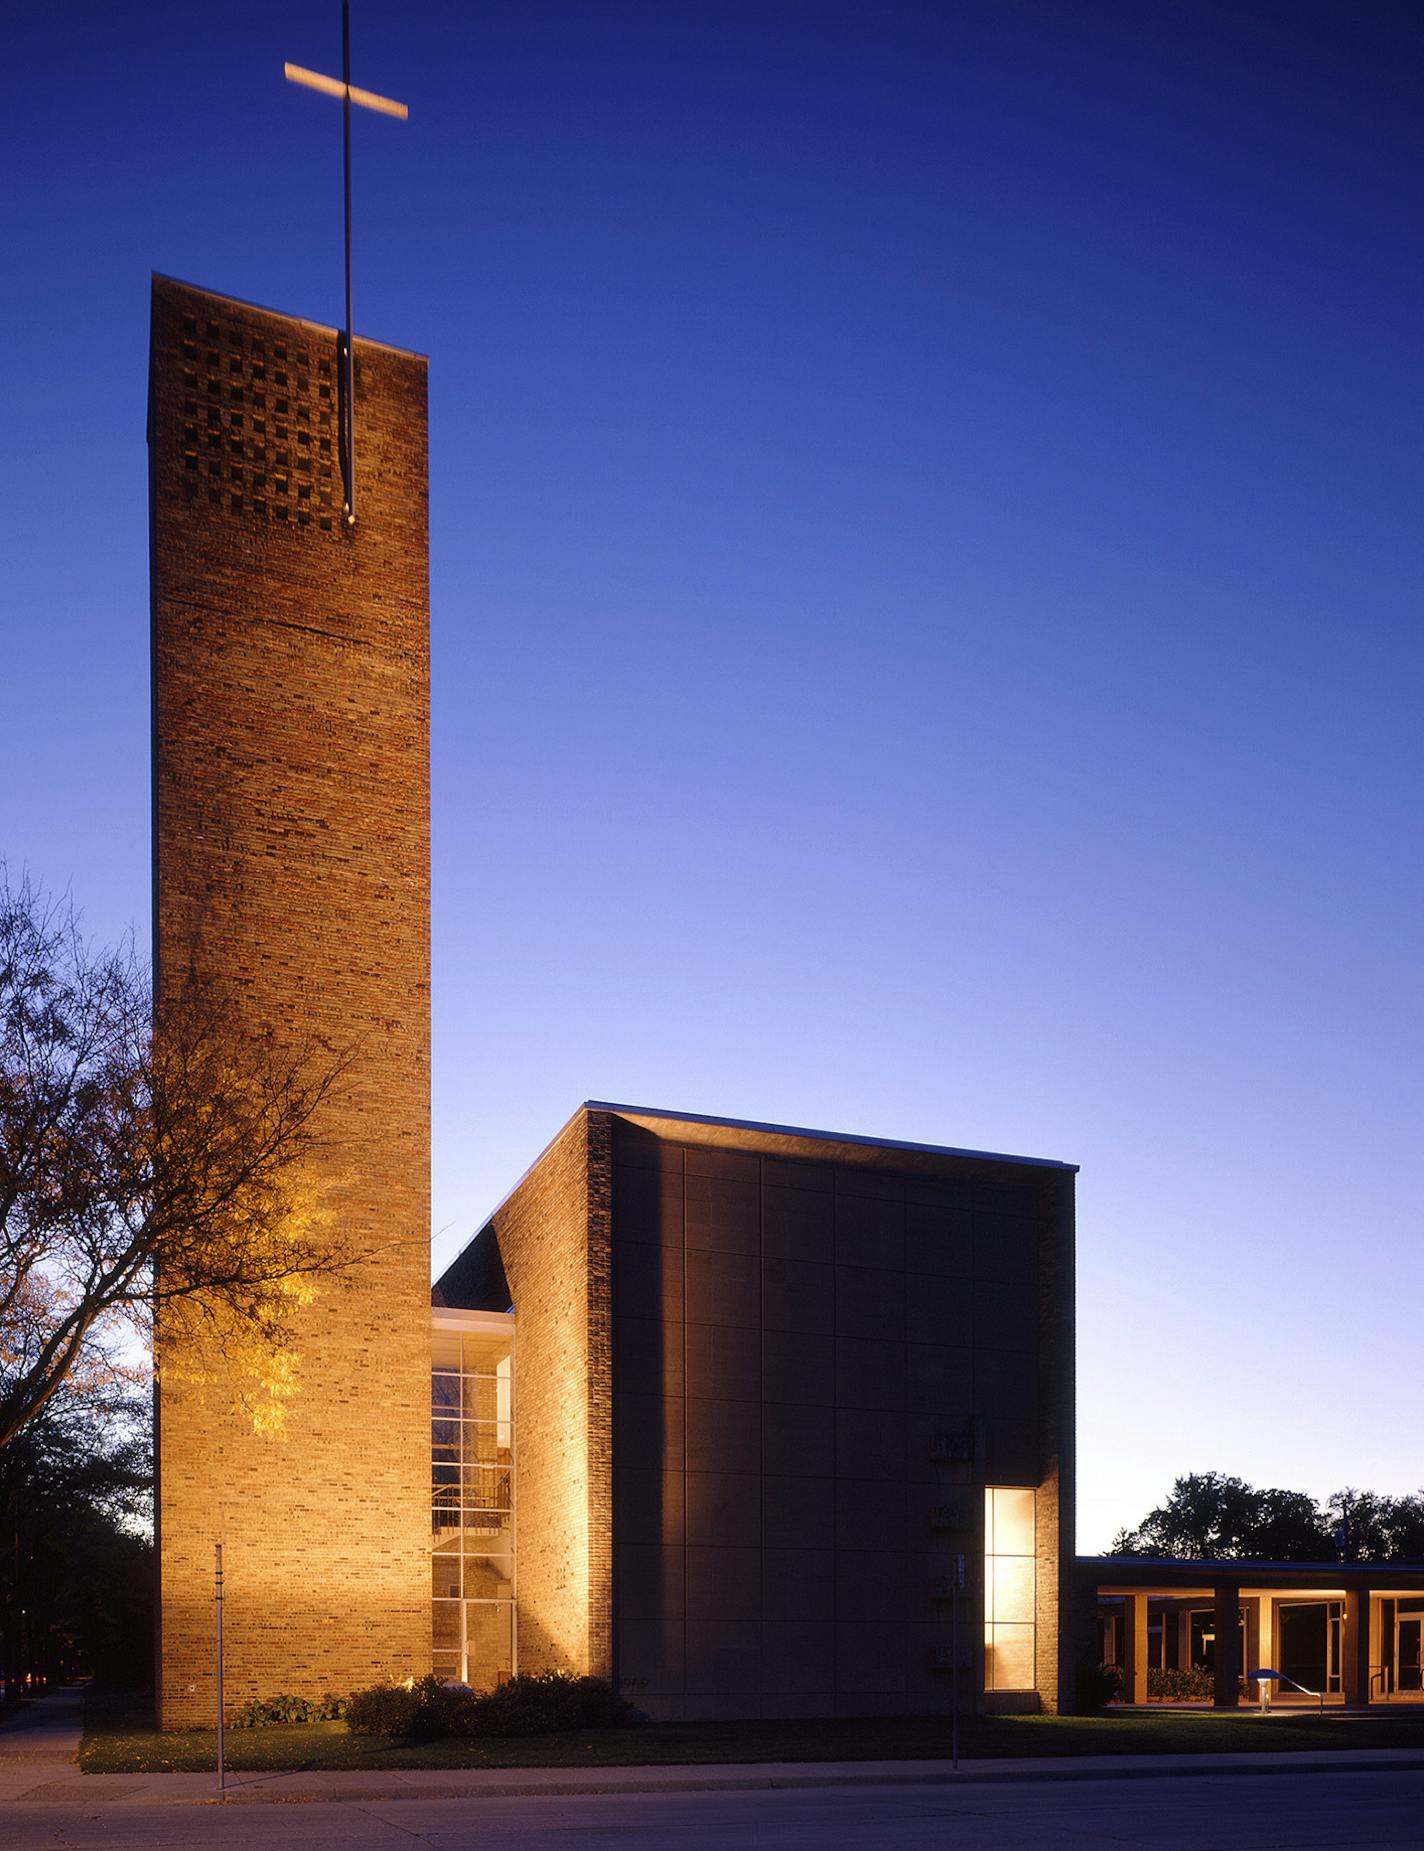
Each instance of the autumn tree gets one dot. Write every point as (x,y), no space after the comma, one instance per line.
(173,1172)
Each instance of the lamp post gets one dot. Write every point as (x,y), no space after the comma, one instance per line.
(954,1658)
(218,1590)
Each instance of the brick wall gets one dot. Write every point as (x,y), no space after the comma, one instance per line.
(552,1235)
(291,837)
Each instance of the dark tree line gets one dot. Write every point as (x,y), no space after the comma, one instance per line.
(1216,1516)
(76,1559)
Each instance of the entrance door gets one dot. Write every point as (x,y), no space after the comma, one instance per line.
(1409,1652)
(1304,1640)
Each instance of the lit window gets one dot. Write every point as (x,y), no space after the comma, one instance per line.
(1010,1587)
(472,1505)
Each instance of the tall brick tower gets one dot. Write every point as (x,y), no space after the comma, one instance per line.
(291,863)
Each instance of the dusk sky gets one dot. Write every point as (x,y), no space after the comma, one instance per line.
(926,541)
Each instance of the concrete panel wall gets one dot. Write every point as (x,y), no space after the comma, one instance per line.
(817,1366)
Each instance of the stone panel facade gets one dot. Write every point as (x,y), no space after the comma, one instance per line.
(822,1353)
(291,824)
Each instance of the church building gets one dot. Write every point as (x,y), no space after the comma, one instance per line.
(755,1421)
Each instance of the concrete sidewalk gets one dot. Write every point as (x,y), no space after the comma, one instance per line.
(45,1728)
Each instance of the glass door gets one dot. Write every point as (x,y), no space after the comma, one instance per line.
(1409,1652)
(1335,1647)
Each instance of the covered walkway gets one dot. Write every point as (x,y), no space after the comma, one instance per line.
(1337,1634)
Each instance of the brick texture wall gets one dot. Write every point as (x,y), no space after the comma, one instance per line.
(553,1235)
(291,824)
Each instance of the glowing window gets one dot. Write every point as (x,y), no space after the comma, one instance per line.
(1010,1588)
(472,1504)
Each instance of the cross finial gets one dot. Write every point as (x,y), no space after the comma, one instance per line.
(383,105)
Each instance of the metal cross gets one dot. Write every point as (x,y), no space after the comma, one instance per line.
(364,99)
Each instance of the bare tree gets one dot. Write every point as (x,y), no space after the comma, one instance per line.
(171,1173)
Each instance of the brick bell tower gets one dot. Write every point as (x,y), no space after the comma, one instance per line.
(291,718)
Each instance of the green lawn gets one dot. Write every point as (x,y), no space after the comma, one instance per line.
(117,1742)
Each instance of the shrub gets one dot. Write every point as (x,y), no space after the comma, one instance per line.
(421,1707)
(1180,1684)
(269,1712)
(533,1703)
(1102,1685)
(538,1703)
(382,1709)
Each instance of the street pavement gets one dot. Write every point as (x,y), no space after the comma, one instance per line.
(1270,1812)
(1360,1800)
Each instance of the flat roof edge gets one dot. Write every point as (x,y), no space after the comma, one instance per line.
(302,321)
(1224,1567)
(828,1137)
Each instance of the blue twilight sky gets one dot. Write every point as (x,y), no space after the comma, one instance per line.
(927,561)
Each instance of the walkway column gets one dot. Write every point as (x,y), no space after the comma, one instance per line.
(1227,1598)
(1134,1647)
(1355,1672)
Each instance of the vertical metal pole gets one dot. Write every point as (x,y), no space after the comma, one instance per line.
(954,1657)
(350,366)
(222,1772)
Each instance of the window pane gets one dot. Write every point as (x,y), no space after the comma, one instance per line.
(485,1440)
(445,1577)
(445,1394)
(481,1397)
(1009,1588)
(444,1432)
(484,1354)
(485,1531)
(444,1529)
(1013,1521)
(1008,1658)
(486,1487)
(445,1623)
(488,1577)
(489,1635)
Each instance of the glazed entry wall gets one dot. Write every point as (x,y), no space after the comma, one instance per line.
(472,1504)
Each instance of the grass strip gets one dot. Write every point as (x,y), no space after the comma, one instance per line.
(118,1740)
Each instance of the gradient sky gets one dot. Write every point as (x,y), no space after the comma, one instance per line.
(927,587)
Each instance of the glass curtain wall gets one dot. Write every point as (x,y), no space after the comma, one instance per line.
(1010,1588)
(472,1506)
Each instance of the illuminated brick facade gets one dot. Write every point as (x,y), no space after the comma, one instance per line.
(291,823)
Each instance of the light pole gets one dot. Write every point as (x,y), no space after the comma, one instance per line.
(218,1587)
(954,1657)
